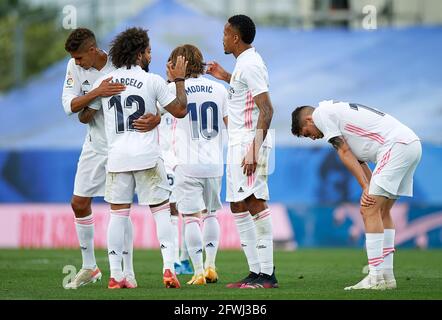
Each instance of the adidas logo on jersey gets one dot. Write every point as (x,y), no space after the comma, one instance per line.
(243,245)
(210,245)
(199,251)
(112,253)
(86,83)
(240,189)
(163,246)
(83,248)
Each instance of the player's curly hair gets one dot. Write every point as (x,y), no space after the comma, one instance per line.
(127,45)
(297,119)
(79,39)
(194,57)
(245,26)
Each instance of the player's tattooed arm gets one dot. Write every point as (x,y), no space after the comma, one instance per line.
(337,142)
(350,161)
(178,107)
(86,115)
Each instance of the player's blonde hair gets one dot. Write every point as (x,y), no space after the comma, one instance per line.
(193,55)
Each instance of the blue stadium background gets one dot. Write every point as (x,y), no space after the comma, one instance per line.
(396,70)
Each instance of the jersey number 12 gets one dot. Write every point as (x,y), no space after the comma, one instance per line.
(115,102)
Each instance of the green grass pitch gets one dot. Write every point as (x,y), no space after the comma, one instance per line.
(303,274)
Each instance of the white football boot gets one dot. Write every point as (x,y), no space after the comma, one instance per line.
(390,281)
(371,282)
(83,277)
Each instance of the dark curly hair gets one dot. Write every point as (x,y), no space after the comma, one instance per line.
(297,117)
(127,45)
(245,26)
(79,39)
(193,55)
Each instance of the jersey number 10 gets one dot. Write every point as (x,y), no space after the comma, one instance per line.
(199,120)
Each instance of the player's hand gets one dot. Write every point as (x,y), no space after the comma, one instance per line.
(215,70)
(249,163)
(179,69)
(107,88)
(366,199)
(147,122)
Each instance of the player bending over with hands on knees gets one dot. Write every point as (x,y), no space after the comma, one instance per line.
(361,134)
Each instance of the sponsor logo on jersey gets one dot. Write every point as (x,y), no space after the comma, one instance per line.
(112,253)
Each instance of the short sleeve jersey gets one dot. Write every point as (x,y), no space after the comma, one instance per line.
(129,149)
(78,82)
(368,131)
(249,79)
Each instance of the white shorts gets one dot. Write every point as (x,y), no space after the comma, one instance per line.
(393,175)
(240,186)
(90,178)
(150,185)
(197,194)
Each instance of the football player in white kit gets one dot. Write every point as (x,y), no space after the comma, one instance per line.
(250,114)
(88,63)
(361,134)
(166,128)
(197,142)
(134,158)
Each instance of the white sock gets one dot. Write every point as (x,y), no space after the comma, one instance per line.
(210,238)
(128,249)
(85,234)
(164,227)
(374,243)
(247,234)
(264,234)
(388,252)
(184,253)
(176,243)
(194,242)
(115,241)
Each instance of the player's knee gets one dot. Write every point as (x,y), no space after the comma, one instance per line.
(81,206)
(368,211)
(237,207)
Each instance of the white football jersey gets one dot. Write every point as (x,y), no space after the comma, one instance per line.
(167,143)
(249,79)
(79,82)
(368,132)
(197,138)
(129,149)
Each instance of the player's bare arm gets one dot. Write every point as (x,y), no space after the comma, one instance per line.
(86,115)
(105,89)
(265,107)
(366,169)
(349,160)
(178,107)
(215,70)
